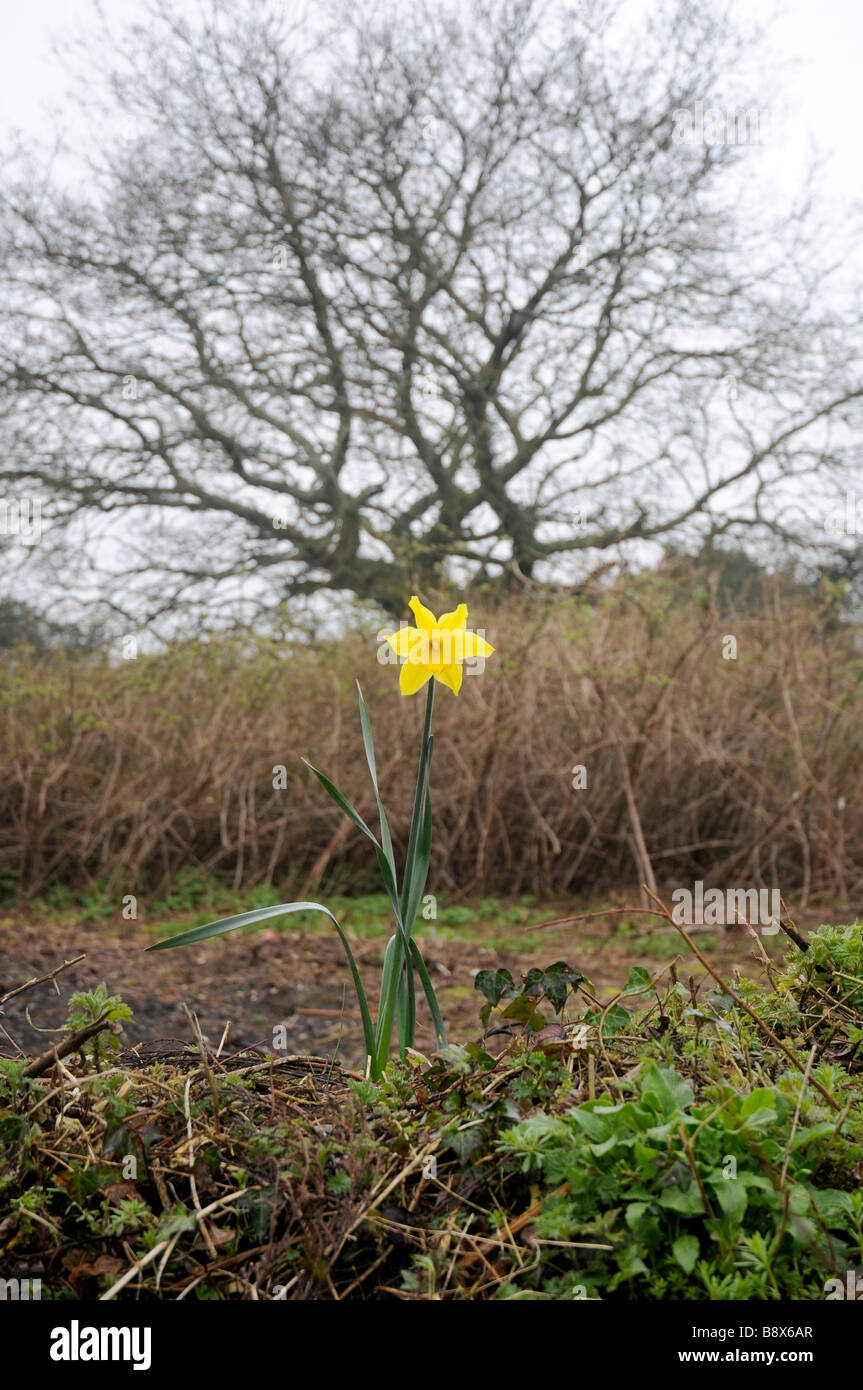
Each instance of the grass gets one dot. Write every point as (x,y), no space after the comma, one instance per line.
(199,898)
(499,924)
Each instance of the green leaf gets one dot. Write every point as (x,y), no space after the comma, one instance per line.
(342,802)
(686,1251)
(368,745)
(672,1090)
(422,859)
(834,1207)
(594,1127)
(639,980)
(553,982)
(634,1213)
(495,985)
(260,914)
(523,1009)
(393,957)
(731,1196)
(759,1108)
(531,983)
(557,978)
(387,870)
(240,919)
(615,1019)
(818,1131)
(456,1058)
(600,1150)
(630,1264)
(687,1202)
(803,1231)
(406,1004)
(425,980)
(464,1142)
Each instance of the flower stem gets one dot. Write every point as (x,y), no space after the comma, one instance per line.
(405,992)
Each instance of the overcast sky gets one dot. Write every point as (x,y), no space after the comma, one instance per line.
(820,41)
(822,38)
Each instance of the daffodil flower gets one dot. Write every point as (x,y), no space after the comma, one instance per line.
(436,647)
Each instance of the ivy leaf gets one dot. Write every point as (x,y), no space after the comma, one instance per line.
(614,1020)
(495,985)
(524,1010)
(556,981)
(639,979)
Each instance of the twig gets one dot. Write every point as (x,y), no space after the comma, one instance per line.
(796,1120)
(135,1269)
(790,929)
(42,979)
(208,1240)
(584,916)
(205,1061)
(71,1044)
(489,1242)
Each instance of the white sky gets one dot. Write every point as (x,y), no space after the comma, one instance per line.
(823,38)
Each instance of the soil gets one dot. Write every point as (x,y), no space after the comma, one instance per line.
(299,980)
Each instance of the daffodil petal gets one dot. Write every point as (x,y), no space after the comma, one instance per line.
(413,677)
(436,647)
(454,620)
(402,641)
(425,618)
(474,645)
(450,675)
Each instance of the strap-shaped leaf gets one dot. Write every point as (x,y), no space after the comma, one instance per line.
(425,980)
(386,838)
(406,1006)
(387,869)
(369,746)
(342,801)
(393,958)
(260,914)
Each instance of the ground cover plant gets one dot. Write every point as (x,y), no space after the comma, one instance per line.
(676,1140)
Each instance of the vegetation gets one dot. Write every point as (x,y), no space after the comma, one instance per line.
(147,776)
(657,1145)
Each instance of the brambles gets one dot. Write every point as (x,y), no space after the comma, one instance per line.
(168,760)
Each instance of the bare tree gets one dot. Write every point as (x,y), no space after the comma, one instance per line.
(346,303)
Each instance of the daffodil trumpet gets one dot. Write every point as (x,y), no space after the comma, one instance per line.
(432,652)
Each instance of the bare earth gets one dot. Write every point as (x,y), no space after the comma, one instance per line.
(300,980)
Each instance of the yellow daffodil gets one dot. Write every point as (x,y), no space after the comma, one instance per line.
(436,647)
